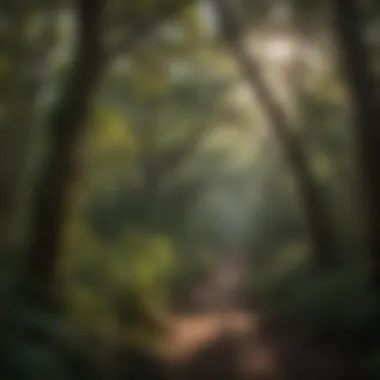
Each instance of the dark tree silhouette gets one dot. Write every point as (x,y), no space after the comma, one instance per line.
(355,63)
(67,123)
(319,224)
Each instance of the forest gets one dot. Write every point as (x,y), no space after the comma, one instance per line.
(190,189)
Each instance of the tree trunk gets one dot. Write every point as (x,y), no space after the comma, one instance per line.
(67,124)
(318,221)
(355,62)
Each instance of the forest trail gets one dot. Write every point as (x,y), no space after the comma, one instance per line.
(220,345)
(219,339)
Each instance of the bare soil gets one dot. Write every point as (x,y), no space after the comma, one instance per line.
(217,338)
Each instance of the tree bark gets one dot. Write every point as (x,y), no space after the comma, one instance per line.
(355,63)
(318,221)
(67,123)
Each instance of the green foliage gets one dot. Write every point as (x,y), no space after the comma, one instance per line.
(165,133)
(127,284)
(337,306)
(38,344)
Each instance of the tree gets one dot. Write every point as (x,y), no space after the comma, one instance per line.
(66,123)
(362,85)
(68,120)
(318,222)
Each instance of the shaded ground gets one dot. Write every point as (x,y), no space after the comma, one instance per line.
(217,338)
(220,345)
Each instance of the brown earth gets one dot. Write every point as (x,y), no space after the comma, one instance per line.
(218,339)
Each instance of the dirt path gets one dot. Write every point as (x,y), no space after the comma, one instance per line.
(220,345)
(218,339)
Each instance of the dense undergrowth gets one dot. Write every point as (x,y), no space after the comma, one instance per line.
(334,308)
